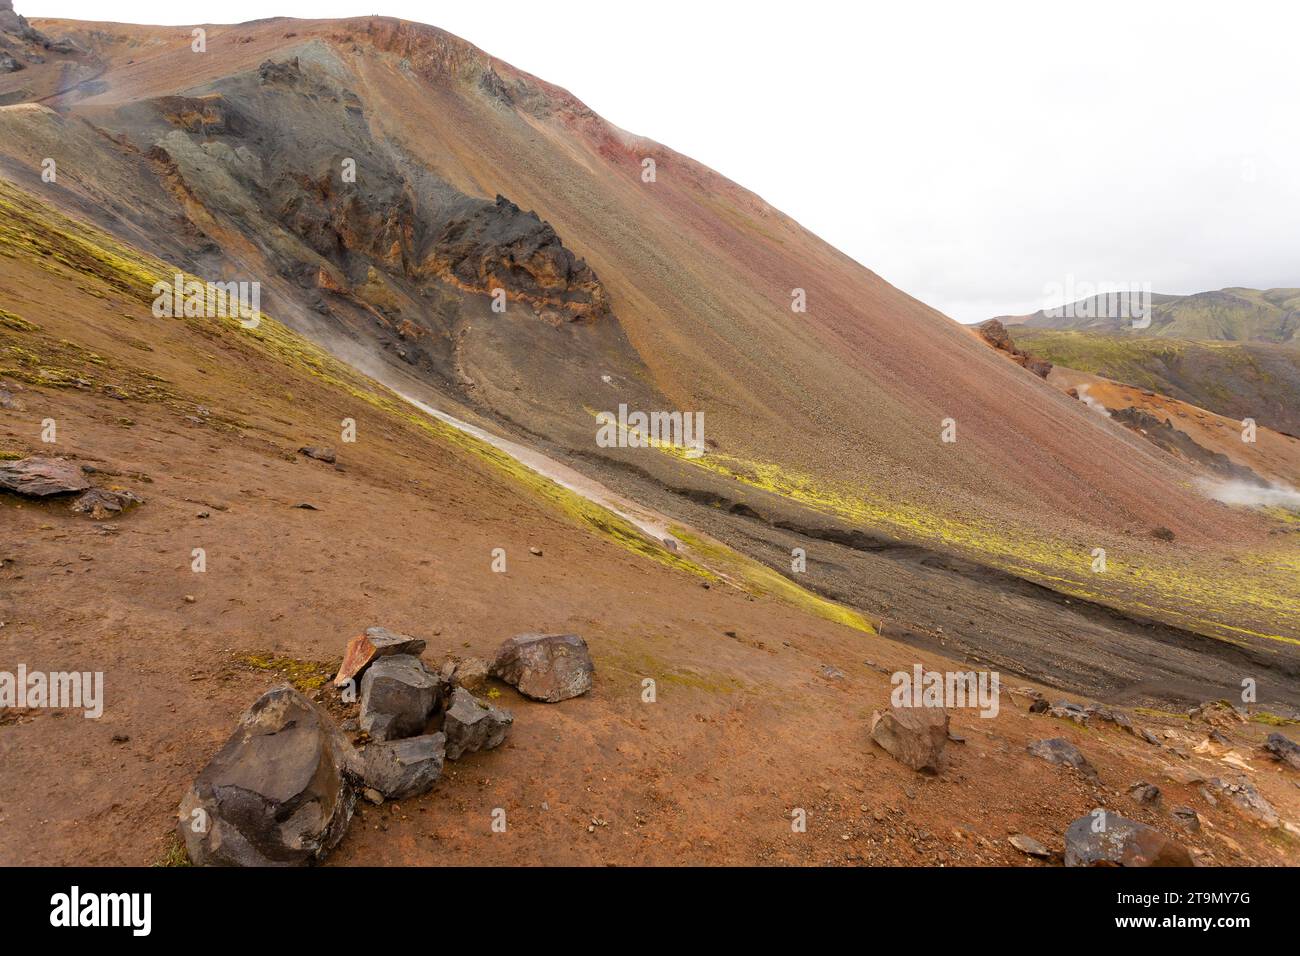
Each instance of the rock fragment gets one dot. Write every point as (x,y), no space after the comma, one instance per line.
(1283,748)
(102,503)
(398,769)
(914,736)
(1058,750)
(40,477)
(398,695)
(1029,846)
(319,453)
(545,667)
(471,724)
(374,643)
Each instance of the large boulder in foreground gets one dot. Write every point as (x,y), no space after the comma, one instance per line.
(546,667)
(398,695)
(1103,838)
(471,724)
(404,768)
(915,736)
(278,793)
(41,477)
(364,649)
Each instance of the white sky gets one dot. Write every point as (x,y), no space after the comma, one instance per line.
(974,154)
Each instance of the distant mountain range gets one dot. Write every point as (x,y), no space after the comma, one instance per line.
(1228,315)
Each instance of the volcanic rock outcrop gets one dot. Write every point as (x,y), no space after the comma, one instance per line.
(500,246)
(996,335)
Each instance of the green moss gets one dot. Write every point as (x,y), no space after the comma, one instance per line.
(174,854)
(307,676)
(757,578)
(12,321)
(1272,720)
(1152,712)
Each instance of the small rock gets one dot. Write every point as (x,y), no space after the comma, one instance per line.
(306,506)
(1029,846)
(471,724)
(914,736)
(41,477)
(536,552)
(1068,710)
(373,796)
(100,503)
(404,768)
(1039,706)
(318,452)
(397,696)
(1144,792)
(1103,838)
(1283,748)
(1058,750)
(546,667)
(472,673)
(374,643)
(1187,817)
(832,673)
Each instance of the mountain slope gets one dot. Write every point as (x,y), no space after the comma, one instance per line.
(1236,379)
(670,295)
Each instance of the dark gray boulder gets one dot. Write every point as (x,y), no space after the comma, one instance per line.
(404,768)
(1103,838)
(278,793)
(471,724)
(545,667)
(398,695)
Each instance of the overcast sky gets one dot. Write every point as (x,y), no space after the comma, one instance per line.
(974,154)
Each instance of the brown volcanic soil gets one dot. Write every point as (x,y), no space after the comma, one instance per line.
(403,535)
